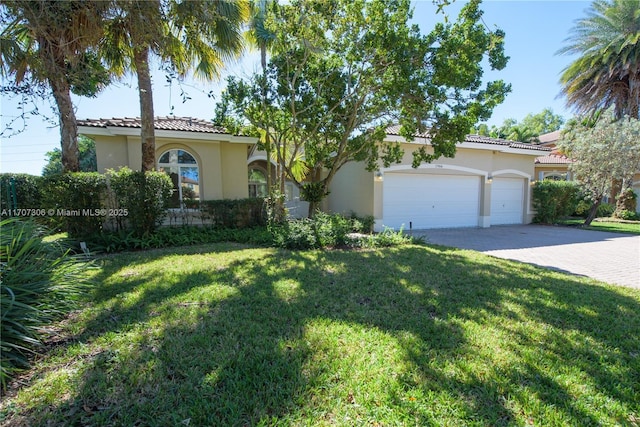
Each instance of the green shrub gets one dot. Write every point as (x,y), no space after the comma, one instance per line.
(388,237)
(553,200)
(583,207)
(240,213)
(40,282)
(123,240)
(77,199)
(295,234)
(627,215)
(332,230)
(605,210)
(143,196)
(19,190)
(362,224)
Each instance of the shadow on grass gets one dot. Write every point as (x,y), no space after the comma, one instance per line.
(243,339)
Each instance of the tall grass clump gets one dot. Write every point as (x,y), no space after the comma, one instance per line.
(40,282)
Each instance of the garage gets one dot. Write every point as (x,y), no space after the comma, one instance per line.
(507,201)
(430,201)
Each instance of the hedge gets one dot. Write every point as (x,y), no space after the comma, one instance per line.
(553,200)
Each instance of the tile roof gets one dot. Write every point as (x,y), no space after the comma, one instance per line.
(185,124)
(550,137)
(553,159)
(395,130)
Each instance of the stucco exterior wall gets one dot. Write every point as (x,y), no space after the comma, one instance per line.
(111,152)
(235,179)
(352,190)
(222,165)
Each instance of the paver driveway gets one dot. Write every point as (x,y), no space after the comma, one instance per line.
(609,257)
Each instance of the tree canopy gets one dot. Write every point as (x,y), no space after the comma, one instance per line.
(607,72)
(52,44)
(87,158)
(199,35)
(603,151)
(527,130)
(341,71)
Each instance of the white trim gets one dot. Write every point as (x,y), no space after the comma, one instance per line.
(511,171)
(474,146)
(258,157)
(471,171)
(170,134)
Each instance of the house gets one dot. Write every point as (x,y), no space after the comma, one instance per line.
(487,183)
(204,161)
(555,165)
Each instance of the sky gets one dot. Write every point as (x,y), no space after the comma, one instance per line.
(535,31)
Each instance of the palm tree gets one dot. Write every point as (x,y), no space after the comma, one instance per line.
(197,34)
(607,73)
(49,43)
(262,37)
(522,134)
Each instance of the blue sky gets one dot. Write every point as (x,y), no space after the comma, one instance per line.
(535,31)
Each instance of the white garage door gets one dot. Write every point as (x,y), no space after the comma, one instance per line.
(507,201)
(430,201)
(636,189)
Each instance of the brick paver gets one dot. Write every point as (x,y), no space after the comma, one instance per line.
(609,257)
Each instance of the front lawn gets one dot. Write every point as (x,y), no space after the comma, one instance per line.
(229,335)
(603,224)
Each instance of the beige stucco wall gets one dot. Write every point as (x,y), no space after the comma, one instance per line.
(355,189)
(352,190)
(235,179)
(111,152)
(541,171)
(222,165)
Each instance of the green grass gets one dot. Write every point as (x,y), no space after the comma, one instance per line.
(229,335)
(600,224)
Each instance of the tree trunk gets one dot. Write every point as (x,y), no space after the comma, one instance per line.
(53,61)
(68,125)
(267,137)
(593,211)
(625,184)
(141,58)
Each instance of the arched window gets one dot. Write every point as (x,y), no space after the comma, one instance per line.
(555,176)
(182,167)
(257,183)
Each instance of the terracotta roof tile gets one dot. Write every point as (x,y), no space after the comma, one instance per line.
(185,124)
(550,137)
(395,130)
(553,159)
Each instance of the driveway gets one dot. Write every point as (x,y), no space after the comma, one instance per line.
(610,257)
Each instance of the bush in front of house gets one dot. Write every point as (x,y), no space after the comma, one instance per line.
(322,231)
(19,190)
(227,213)
(139,199)
(75,199)
(605,210)
(123,240)
(41,282)
(553,200)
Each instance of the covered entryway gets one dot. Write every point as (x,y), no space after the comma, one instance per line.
(507,201)
(423,201)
